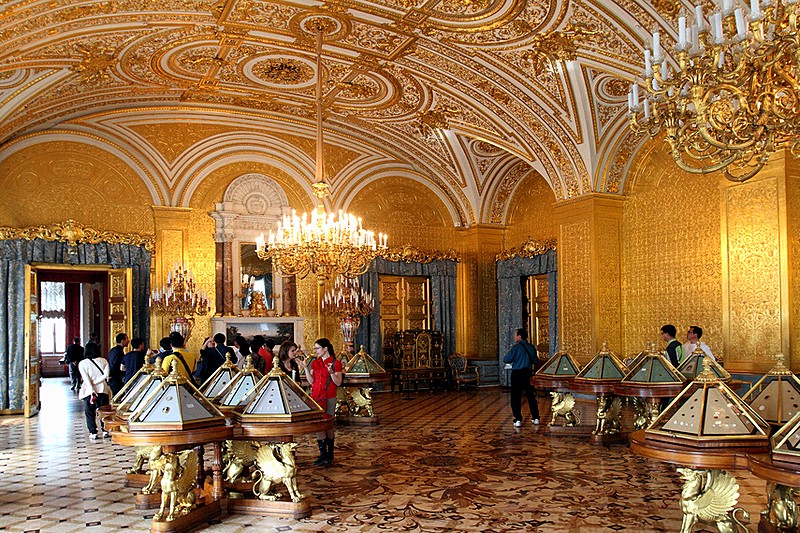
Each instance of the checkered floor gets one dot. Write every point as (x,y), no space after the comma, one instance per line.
(442,461)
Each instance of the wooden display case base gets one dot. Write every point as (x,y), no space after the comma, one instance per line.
(136,481)
(252,506)
(148,501)
(604,440)
(557,430)
(358,421)
(190,521)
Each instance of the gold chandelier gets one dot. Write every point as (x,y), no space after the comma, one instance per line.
(731,98)
(324,244)
(180,300)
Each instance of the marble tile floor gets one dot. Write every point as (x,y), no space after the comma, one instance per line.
(438,462)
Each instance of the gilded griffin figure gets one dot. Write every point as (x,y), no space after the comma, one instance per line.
(177,484)
(607,416)
(276,464)
(357,400)
(239,457)
(151,453)
(708,497)
(781,508)
(563,405)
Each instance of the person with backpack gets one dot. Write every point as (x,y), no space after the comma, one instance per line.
(94,391)
(522,357)
(186,361)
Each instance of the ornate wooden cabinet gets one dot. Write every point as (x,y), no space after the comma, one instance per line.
(417,357)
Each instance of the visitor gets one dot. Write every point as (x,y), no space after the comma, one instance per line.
(523,358)
(94,391)
(324,374)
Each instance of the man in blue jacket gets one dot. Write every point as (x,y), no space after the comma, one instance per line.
(523,358)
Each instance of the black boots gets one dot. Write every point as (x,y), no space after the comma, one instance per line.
(323,455)
(325,452)
(329,446)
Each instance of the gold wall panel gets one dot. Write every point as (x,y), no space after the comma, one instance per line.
(476,293)
(574,288)
(671,261)
(608,306)
(751,258)
(792,302)
(201,260)
(60,180)
(530,212)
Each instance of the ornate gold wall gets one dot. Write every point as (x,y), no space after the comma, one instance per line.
(671,261)
(59,180)
(408,211)
(530,212)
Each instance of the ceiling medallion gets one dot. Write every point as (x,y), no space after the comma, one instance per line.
(332,26)
(283,71)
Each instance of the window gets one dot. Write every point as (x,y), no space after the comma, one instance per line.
(52,326)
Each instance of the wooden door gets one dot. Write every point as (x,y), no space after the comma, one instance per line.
(538,312)
(405,303)
(119,303)
(31,344)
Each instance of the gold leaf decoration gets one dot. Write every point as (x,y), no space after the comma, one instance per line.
(530,248)
(74,233)
(410,254)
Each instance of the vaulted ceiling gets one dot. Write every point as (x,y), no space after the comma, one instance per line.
(469,97)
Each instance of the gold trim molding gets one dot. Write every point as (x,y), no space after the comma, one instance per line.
(530,248)
(73,233)
(411,254)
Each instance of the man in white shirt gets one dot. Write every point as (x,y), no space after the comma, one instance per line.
(693,340)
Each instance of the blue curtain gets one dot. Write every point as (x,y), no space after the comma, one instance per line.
(442,274)
(509,298)
(14,255)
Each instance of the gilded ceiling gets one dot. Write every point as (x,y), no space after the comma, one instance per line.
(469,96)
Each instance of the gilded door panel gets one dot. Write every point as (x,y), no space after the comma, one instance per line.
(32,358)
(119,302)
(538,311)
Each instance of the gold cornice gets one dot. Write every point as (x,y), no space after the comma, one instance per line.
(74,233)
(530,248)
(411,254)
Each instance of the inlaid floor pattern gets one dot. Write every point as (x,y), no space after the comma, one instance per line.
(438,462)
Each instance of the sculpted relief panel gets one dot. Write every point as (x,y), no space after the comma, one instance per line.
(56,181)
(530,212)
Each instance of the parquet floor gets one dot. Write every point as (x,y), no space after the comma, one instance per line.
(438,462)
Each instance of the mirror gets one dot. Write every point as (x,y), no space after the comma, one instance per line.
(256,276)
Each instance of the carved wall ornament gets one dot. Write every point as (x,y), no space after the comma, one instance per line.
(411,254)
(74,233)
(435,119)
(560,45)
(530,248)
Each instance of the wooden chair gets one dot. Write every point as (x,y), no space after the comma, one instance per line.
(462,372)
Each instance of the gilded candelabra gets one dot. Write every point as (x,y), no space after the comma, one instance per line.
(180,300)
(730,97)
(348,302)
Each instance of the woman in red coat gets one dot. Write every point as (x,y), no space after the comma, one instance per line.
(325,375)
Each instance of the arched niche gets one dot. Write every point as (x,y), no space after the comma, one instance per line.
(252,205)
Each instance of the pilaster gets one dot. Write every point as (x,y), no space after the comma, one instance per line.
(590,273)
(760,233)
(172,226)
(476,294)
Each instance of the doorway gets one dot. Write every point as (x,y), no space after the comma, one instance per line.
(405,303)
(72,303)
(66,302)
(536,312)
